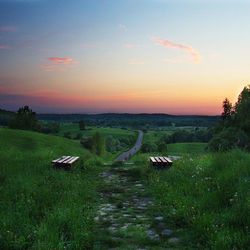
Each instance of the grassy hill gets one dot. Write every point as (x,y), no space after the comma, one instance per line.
(41,207)
(206,197)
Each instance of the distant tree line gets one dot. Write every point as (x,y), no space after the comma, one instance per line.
(233,131)
(134,121)
(179,136)
(26,119)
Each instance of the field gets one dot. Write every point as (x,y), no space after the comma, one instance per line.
(44,208)
(73,128)
(204,197)
(194,148)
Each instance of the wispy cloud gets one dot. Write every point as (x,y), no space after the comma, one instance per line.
(62,60)
(195,55)
(59,63)
(7,29)
(4,46)
(136,62)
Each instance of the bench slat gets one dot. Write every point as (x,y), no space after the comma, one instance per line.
(61,161)
(168,159)
(73,160)
(62,157)
(158,159)
(153,159)
(163,160)
(68,160)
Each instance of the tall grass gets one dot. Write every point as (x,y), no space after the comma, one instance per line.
(41,207)
(207,198)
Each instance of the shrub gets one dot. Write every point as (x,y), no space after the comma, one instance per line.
(25,119)
(228,139)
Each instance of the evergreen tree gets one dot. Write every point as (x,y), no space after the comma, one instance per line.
(242,110)
(227,110)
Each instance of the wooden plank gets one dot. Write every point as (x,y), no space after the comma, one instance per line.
(61,161)
(68,160)
(153,159)
(167,159)
(158,159)
(163,160)
(62,157)
(73,160)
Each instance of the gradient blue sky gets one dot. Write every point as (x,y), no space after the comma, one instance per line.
(178,57)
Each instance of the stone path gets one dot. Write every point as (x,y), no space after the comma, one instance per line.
(125,217)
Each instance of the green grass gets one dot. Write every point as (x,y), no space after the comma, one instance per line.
(73,128)
(206,198)
(41,207)
(186,148)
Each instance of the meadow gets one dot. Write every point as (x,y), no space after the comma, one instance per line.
(42,207)
(205,197)
(74,129)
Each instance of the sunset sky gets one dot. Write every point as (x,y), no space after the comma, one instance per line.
(96,56)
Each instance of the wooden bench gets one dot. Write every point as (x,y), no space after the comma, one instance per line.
(160,161)
(65,162)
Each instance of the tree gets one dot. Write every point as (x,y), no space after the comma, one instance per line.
(234,131)
(25,119)
(229,138)
(82,125)
(148,147)
(227,110)
(95,143)
(242,110)
(98,142)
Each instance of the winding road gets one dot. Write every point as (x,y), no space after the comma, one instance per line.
(128,154)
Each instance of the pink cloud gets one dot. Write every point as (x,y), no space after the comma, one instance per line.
(195,55)
(62,60)
(7,29)
(4,46)
(59,63)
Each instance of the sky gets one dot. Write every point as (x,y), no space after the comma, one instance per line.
(134,56)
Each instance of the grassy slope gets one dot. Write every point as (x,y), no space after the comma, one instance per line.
(207,197)
(40,207)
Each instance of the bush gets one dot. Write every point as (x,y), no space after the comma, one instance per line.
(148,147)
(50,128)
(94,143)
(67,135)
(228,139)
(25,119)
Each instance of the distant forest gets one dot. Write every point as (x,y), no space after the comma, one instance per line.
(134,120)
